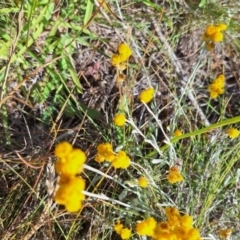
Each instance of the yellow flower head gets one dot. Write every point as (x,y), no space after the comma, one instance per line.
(146,227)
(119,119)
(104,153)
(213,34)
(174,175)
(186,221)
(217,37)
(221,27)
(220,80)
(217,87)
(172,212)
(70,194)
(63,149)
(118,227)
(232,132)
(71,164)
(121,160)
(125,51)
(126,233)
(210,30)
(177,133)
(116,60)
(146,95)
(225,233)
(161,229)
(142,182)
(193,234)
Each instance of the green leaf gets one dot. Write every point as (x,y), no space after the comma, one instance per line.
(88,12)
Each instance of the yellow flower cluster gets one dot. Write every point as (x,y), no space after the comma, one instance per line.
(177,133)
(69,164)
(105,153)
(217,87)
(232,132)
(70,193)
(118,60)
(119,119)
(213,34)
(174,175)
(146,227)
(118,160)
(146,95)
(125,233)
(142,182)
(176,227)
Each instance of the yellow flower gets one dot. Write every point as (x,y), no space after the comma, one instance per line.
(70,194)
(217,37)
(232,132)
(71,164)
(221,27)
(121,160)
(225,233)
(146,95)
(142,182)
(119,119)
(116,60)
(220,80)
(105,153)
(210,30)
(126,233)
(177,133)
(174,175)
(63,149)
(146,227)
(176,227)
(118,227)
(186,221)
(193,234)
(125,51)
(171,211)
(213,33)
(161,229)
(217,87)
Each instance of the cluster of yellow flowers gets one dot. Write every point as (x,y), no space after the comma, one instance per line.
(213,34)
(119,59)
(146,95)
(177,133)
(125,233)
(232,132)
(69,164)
(174,175)
(217,87)
(142,182)
(118,160)
(119,119)
(177,227)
